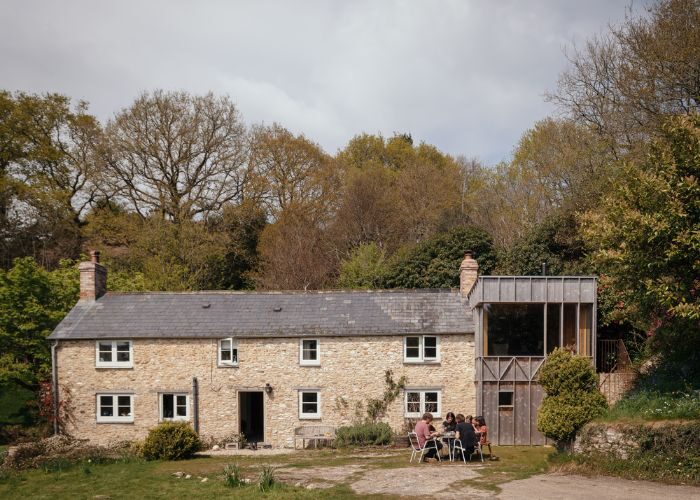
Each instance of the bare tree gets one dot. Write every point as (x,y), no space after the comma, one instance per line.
(178,155)
(624,82)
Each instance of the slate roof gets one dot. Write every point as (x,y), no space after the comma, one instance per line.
(267,314)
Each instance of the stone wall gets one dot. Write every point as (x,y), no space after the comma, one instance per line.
(615,385)
(611,440)
(351,371)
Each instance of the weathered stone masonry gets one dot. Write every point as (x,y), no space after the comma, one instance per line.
(351,370)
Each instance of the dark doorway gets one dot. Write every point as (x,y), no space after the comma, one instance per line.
(251,416)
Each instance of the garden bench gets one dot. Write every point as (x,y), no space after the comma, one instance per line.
(314,433)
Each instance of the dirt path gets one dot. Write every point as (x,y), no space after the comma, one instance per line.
(448,482)
(556,486)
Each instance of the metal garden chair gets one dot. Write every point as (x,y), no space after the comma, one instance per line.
(419,450)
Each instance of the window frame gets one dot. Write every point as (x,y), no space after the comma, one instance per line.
(114,363)
(310,416)
(309,362)
(114,419)
(421,349)
(422,392)
(234,347)
(512,399)
(175,418)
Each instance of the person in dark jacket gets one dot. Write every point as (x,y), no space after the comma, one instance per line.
(465,434)
(449,424)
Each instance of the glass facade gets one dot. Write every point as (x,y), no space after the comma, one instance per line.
(521,330)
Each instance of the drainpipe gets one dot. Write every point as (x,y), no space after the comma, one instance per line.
(54,385)
(195,404)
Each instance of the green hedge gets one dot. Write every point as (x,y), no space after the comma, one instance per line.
(364,434)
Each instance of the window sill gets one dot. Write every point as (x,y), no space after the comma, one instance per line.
(316,417)
(115,366)
(130,422)
(310,364)
(227,365)
(421,362)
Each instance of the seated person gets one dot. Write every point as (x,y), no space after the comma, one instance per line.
(466,435)
(449,424)
(480,426)
(424,434)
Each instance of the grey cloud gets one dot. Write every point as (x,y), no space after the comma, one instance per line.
(465,76)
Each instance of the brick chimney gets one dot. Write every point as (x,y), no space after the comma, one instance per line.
(468,273)
(93,278)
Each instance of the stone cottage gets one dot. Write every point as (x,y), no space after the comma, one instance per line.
(264,363)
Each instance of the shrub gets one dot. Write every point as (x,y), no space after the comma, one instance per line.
(232,476)
(572,396)
(171,441)
(267,479)
(364,434)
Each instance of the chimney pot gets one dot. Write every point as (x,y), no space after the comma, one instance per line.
(95,256)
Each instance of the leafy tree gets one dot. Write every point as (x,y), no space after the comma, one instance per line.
(572,396)
(435,263)
(645,238)
(289,170)
(49,174)
(394,192)
(364,268)
(366,209)
(557,242)
(242,226)
(295,253)
(32,303)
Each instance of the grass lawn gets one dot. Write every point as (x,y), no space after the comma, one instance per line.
(139,479)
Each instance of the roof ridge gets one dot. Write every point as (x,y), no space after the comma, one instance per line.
(290,292)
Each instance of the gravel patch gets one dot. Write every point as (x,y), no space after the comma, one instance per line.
(556,486)
(413,481)
(317,477)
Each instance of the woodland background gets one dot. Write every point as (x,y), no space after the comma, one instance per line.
(179,192)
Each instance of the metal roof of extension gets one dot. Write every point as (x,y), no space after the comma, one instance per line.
(267,314)
(533,289)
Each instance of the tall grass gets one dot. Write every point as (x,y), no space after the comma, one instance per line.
(647,404)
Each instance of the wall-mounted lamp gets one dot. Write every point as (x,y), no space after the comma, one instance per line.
(268,388)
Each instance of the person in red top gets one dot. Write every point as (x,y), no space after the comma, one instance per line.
(484,431)
(424,434)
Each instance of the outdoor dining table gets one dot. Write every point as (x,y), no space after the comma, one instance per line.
(449,439)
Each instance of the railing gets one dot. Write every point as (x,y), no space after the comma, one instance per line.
(612,356)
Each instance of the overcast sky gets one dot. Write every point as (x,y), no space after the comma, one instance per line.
(466,76)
